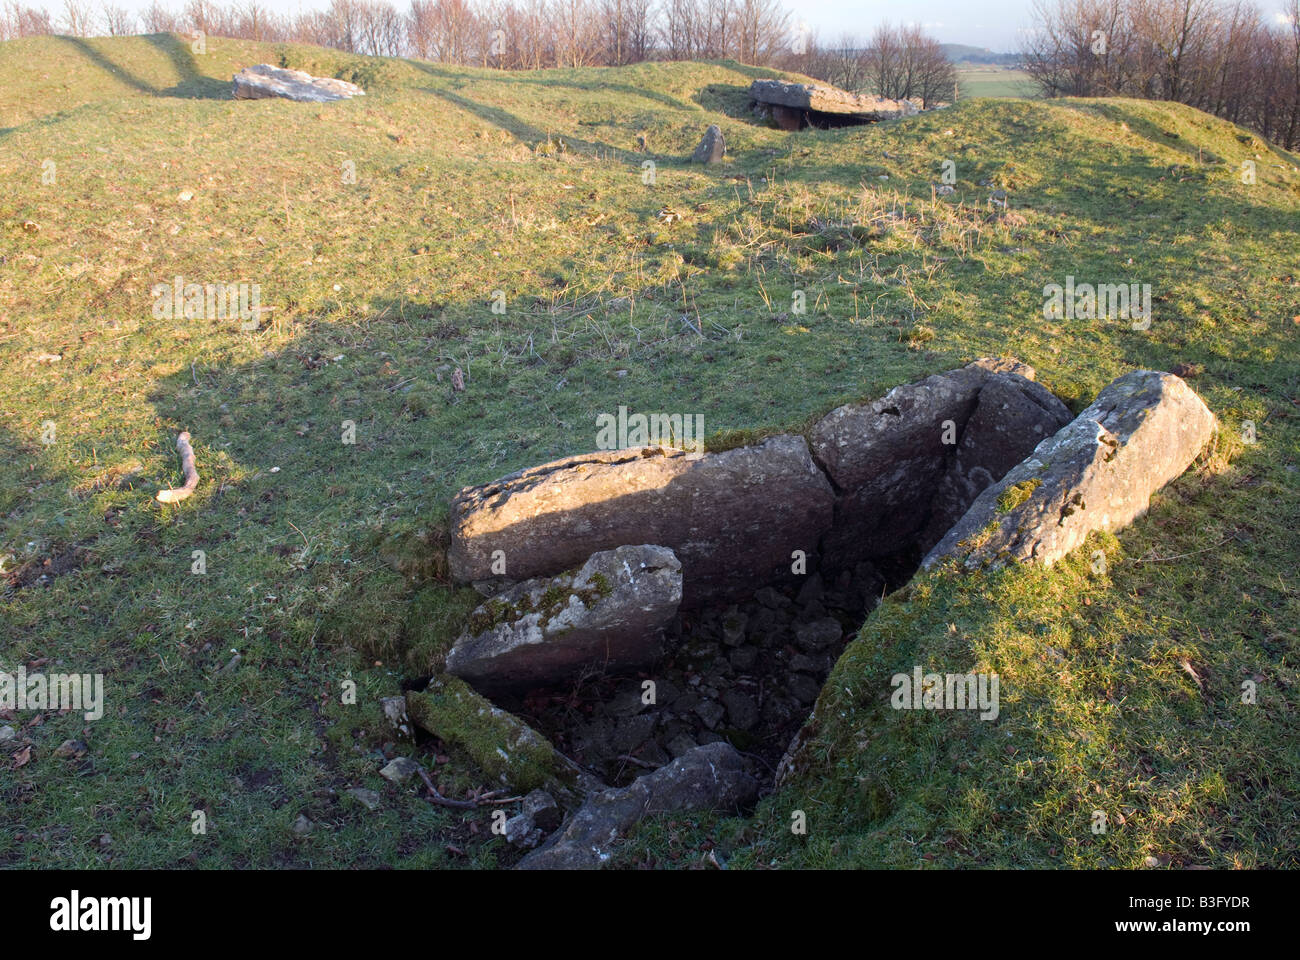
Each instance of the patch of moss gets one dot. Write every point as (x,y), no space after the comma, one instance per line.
(1016,494)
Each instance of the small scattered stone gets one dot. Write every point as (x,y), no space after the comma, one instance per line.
(522,832)
(770,597)
(744,658)
(742,711)
(302,826)
(711,712)
(395,711)
(804,688)
(627,700)
(71,749)
(733,627)
(681,744)
(367,798)
(7,733)
(811,590)
(544,811)
(631,732)
(818,634)
(399,768)
(801,663)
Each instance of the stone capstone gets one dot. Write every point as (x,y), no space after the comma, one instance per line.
(823,98)
(732,518)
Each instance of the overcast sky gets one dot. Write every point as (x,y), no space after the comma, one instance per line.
(995,24)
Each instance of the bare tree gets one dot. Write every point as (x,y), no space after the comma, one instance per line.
(77,18)
(117,21)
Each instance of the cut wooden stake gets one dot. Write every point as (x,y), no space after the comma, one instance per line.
(177,494)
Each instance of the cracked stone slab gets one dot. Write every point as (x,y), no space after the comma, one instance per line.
(889,458)
(611,612)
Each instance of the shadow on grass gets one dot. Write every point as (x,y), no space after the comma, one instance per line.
(192,85)
(526,133)
(517,78)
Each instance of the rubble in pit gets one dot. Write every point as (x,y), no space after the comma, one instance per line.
(746,673)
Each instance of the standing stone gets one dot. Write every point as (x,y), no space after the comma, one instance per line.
(732,518)
(1097,473)
(1012,416)
(887,457)
(543,631)
(712,148)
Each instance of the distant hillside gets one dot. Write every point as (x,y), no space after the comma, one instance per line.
(964,53)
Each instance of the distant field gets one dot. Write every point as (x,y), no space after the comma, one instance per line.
(981,80)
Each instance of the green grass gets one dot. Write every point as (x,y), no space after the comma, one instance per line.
(993,81)
(469,182)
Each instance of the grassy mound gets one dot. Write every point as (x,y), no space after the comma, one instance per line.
(382,230)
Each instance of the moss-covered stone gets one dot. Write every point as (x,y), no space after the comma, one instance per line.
(501,744)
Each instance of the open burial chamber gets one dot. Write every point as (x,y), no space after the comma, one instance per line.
(796,106)
(645,608)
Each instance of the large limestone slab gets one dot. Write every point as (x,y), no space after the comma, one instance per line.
(891,459)
(1097,473)
(264,80)
(711,777)
(823,98)
(732,518)
(543,631)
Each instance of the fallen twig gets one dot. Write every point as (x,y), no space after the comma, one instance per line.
(438,798)
(177,494)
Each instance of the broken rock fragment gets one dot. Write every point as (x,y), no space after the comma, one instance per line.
(711,777)
(612,612)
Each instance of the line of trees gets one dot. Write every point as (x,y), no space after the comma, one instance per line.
(1222,56)
(512,34)
(900,63)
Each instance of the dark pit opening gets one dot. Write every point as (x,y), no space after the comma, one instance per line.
(796,118)
(745,672)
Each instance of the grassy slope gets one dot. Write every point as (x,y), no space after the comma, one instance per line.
(470,182)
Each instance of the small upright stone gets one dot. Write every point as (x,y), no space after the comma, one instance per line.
(712,148)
